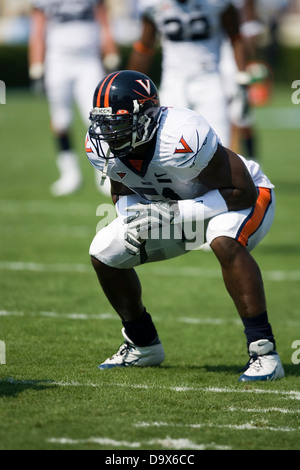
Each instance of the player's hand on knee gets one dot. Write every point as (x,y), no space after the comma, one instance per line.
(132,241)
(148,217)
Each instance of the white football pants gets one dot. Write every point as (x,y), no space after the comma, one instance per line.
(248,227)
(68,80)
(204,94)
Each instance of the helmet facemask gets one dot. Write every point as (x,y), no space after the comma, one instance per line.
(115,129)
(123,131)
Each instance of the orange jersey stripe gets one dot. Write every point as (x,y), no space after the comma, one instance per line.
(255,218)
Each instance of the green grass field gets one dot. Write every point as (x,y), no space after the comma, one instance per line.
(57,325)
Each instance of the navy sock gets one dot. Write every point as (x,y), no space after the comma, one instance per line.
(63,143)
(142,330)
(258,328)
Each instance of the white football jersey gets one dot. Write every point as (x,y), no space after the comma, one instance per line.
(71,26)
(191,32)
(183,146)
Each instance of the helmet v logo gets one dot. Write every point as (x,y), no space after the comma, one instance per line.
(146,85)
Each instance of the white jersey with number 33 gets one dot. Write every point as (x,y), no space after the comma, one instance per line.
(191,32)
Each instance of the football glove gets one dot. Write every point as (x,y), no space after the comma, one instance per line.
(157,215)
(36,76)
(240,102)
(147,217)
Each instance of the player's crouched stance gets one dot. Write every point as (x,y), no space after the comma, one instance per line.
(175,187)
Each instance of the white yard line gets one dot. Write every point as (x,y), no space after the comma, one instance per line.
(263,410)
(236,427)
(78,231)
(41,267)
(114,316)
(270,275)
(94,440)
(167,443)
(286,394)
(69,316)
(34,206)
(80,316)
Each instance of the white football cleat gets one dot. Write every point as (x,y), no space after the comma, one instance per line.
(70,175)
(129,354)
(264,363)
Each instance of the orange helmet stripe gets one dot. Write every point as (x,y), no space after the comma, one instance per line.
(106,96)
(102,86)
(100,91)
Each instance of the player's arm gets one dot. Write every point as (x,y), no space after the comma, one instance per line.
(231,189)
(231,25)
(36,49)
(144,48)
(118,190)
(251,27)
(227,173)
(109,48)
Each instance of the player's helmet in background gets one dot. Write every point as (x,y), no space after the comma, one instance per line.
(126,111)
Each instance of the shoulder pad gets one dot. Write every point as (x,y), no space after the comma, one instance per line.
(183,133)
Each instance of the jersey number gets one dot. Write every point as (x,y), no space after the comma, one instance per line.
(196,28)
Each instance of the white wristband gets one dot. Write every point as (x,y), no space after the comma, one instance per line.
(252,28)
(36,71)
(243,78)
(201,208)
(111,61)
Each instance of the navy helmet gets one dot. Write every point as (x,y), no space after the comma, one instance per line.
(126,111)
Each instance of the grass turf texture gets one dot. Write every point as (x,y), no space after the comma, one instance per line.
(58,326)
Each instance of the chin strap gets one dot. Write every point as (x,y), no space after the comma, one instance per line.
(104,171)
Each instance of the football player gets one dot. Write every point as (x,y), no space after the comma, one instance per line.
(256,17)
(191,33)
(169,173)
(65,46)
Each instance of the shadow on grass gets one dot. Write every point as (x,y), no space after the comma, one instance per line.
(10,387)
(205,368)
(291,370)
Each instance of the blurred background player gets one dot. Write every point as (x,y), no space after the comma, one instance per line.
(71,47)
(241,117)
(191,34)
(258,18)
